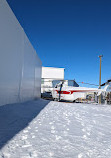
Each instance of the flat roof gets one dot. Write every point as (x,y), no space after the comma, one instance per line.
(53,67)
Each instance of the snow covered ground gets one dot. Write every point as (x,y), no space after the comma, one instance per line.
(43,129)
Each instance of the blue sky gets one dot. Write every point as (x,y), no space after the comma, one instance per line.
(69,34)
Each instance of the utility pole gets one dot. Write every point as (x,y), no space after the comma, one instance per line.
(100,57)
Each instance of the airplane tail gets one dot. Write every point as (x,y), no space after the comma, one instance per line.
(103,90)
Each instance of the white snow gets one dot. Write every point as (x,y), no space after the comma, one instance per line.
(43,129)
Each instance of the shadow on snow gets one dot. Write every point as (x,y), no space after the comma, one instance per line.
(15,117)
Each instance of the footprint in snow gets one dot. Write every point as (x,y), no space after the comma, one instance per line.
(50,123)
(24,137)
(65,133)
(25,131)
(83,130)
(52,127)
(84,136)
(51,154)
(80,155)
(82,124)
(29,128)
(33,136)
(57,137)
(53,131)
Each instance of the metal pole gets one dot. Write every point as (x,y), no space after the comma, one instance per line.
(100,78)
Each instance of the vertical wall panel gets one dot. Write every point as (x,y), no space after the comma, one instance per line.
(38,70)
(28,78)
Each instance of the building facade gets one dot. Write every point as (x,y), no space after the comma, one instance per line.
(51,75)
(20,66)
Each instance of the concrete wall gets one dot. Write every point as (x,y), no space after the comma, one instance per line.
(20,67)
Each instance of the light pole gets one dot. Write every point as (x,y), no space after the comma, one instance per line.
(100,57)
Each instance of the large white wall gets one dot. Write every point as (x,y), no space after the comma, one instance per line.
(20,67)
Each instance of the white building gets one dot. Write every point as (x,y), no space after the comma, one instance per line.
(49,75)
(20,66)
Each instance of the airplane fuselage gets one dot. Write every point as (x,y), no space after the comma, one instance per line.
(72,93)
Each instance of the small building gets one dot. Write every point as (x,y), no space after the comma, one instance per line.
(51,76)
